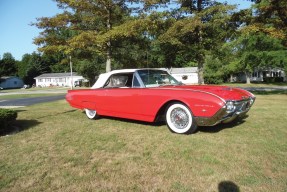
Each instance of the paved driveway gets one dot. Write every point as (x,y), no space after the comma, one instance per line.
(273,88)
(33,91)
(14,103)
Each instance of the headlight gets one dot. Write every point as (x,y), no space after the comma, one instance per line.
(230,107)
(251,101)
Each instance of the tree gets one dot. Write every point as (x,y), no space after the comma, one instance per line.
(204,27)
(8,65)
(257,51)
(88,69)
(270,18)
(31,66)
(82,26)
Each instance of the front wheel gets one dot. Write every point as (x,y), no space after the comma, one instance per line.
(91,114)
(179,119)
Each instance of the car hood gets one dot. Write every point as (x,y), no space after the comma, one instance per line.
(225,92)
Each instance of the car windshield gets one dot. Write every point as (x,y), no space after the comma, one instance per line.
(156,78)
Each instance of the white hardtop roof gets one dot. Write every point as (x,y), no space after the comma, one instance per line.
(121,71)
(104,76)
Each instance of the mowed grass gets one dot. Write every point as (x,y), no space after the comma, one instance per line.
(58,149)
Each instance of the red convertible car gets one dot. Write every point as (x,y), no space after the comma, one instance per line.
(154,95)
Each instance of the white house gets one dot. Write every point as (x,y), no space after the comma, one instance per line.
(261,75)
(187,75)
(58,79)
(11,82)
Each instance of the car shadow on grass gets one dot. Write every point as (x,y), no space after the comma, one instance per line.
(221,126)
(205,129)
(156,124)
(18,126)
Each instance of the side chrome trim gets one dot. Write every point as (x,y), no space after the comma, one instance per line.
(194,90)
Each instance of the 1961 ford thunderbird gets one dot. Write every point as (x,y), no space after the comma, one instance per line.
(154,95)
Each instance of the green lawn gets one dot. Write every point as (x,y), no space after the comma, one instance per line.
(58,149)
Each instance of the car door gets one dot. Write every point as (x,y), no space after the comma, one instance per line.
(120,98)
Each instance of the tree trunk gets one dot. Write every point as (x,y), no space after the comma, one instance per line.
(248,76)
(109,57)
(109,44)
(200,72)
(200,56)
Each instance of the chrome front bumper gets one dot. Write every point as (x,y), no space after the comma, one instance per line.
(224,116)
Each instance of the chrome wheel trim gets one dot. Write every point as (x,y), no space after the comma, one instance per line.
(179,118)
(91,114)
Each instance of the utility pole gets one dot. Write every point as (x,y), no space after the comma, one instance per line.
(71,67)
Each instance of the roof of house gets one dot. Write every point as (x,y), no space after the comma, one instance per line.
(9,77)
(183,70)
(50,75)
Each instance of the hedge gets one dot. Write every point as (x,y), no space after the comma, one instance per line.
(7,116)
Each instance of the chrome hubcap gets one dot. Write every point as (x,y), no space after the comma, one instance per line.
(179,118)
(91,112)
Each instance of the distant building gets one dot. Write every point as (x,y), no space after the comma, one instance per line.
(11,82)
(187,75)
(262,75)
(58,79)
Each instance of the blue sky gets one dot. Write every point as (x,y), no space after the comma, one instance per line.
(16,33)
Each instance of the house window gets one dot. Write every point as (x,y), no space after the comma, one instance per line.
(48,80)
(61,80)
(15,82)
(40,80)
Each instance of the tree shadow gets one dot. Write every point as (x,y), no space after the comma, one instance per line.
(228,186)
(19,110)
(221,126)
(18,126)
(22,125)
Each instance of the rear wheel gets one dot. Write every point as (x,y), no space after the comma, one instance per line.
(179,119)
(91,114)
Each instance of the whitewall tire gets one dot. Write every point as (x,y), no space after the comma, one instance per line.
(91,114)
(179,119)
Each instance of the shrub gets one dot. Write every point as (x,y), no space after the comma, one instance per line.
(6,117)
